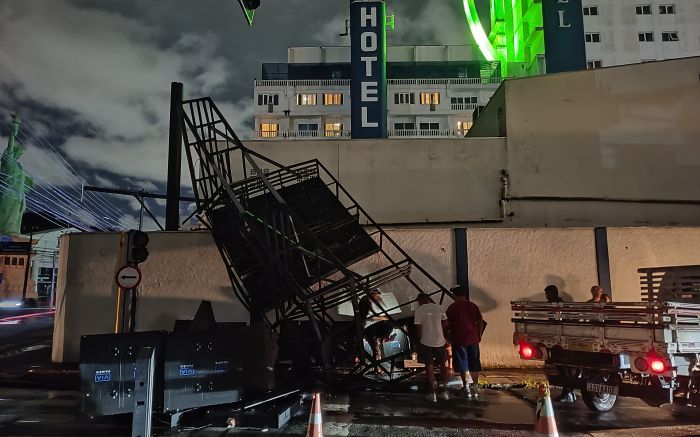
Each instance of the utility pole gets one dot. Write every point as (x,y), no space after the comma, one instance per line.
(172,204)
(27,266)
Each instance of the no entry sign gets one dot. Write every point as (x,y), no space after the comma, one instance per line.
(128,277)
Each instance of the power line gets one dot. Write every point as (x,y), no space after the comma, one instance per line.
(115,218)
(54,203)
(40,206)
(65,162)
(51,190)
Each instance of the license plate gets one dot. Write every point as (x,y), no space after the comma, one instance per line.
(601,388)
(587,347)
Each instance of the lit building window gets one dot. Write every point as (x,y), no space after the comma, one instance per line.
(667,9)
(591,65)
(590,10)
(669,36)
(306,99)
(643,10)
(268,99)
(646,36)
(332,99)
(429,98)
(404,98)
(269,130)
(463,127)
(593,37)
(332,129)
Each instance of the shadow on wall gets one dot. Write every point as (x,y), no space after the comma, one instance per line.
(561,284)
(153,313)
(482,299)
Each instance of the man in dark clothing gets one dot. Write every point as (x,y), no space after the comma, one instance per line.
(551,292)
(465,325)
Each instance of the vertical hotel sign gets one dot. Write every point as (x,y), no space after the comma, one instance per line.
(368,57)
(565,48)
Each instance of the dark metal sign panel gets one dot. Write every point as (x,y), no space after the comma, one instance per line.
(368,83)
(565,48)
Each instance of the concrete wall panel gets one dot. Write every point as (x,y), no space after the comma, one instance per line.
(516,264)
(619,132)
(424,181)
(634,248)
(183,269)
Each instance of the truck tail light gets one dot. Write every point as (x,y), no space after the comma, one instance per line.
(652,362)
(529,352)
(657,365)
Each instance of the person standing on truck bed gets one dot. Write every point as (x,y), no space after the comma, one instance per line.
(596,293)
(431,321)
(551,293)
(465,325)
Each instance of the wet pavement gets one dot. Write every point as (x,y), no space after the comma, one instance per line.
(37,412)
(34,402)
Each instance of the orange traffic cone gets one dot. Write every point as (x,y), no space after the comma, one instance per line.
(545,424)
(315,428)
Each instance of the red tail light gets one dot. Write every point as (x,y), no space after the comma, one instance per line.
(657,365)
(530,352)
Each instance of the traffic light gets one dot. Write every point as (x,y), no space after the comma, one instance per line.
(249,7)
(136,251)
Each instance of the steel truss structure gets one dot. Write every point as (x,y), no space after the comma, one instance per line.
(295,241)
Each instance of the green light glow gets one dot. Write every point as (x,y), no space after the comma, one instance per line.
(478,31)
(515,39)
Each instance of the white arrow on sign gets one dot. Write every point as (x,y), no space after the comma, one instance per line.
(128,277)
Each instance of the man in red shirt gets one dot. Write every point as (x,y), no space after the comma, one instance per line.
(465,326)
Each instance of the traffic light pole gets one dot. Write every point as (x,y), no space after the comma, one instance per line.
(132,310)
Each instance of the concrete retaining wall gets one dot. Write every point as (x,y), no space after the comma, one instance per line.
(503,265)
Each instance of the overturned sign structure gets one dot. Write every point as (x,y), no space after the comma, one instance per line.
(295,243)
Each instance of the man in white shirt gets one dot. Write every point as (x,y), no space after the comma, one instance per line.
(430,320)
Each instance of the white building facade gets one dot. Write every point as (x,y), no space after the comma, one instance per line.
(432,91)
(619,32)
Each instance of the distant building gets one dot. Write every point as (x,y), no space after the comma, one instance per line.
(13,265)
(432,91)
(619,32)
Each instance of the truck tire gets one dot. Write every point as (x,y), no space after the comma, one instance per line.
(598,401)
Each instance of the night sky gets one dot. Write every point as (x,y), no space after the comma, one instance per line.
(92,77)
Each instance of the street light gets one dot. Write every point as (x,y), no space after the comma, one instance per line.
(249,7)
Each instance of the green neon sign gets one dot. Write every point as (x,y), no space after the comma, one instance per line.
(515,39)
(478,30)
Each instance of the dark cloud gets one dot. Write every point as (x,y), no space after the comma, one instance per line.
(93,76)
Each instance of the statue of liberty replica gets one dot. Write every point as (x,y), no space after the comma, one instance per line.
(14,184)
